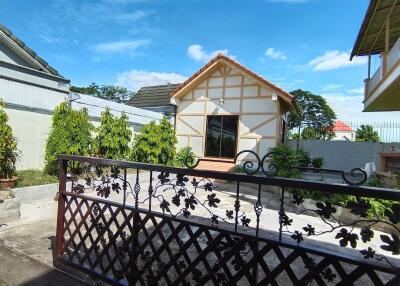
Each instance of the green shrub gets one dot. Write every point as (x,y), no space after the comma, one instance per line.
(301,158)
(168,142)
(113,136)
(184,156)
(317,162)
(8,146)
(155,144)
(70,134)
(378,206)
(298,157)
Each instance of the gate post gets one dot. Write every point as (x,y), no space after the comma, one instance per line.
(62,178)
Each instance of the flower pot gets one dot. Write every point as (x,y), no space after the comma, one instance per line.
(7,183)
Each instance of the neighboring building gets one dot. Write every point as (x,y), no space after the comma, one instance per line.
(379,35)
(31,89)
(225,108)
(343,132)
(137,117)
(155,98)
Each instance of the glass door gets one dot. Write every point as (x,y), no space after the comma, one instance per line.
(221,136)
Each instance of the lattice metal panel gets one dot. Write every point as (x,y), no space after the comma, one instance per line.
(125,245)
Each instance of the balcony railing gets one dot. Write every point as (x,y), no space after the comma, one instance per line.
(393,55)
(374,80)
(389,60)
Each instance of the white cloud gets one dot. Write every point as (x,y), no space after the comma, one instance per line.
(359,90)
(120,46)
(349,108)
(135,79)
(125,18)
(197,53)
(275,54)
(332,60)
(331,87)
(48,39)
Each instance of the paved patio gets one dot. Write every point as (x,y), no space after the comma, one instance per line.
(20,269)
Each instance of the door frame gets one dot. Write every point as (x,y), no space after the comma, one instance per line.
(236,140)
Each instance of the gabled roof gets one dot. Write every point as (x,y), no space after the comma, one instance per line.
(23,51)
(224,59)
(150,96)
(371,37)
(341,126)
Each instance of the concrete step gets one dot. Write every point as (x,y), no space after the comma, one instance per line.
(215,165)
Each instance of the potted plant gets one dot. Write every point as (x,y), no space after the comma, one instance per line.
(8,152)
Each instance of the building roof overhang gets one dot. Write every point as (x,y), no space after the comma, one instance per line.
(371,36)
(24,52)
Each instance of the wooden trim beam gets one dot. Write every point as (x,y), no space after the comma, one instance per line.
(384,24)
(368,26)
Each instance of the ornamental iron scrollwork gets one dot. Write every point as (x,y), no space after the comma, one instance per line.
(355,177)
(182,193)
(350,234)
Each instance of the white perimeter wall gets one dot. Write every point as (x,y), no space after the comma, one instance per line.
(31,130)
(259,116)
(29,110)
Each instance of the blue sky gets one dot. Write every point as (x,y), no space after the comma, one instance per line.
(293,43)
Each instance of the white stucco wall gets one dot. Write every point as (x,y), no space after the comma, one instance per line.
(31,130)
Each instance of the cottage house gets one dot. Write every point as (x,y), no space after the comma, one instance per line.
(225,108)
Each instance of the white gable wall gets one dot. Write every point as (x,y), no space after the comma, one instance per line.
(259,114)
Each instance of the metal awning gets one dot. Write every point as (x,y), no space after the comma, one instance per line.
(372,35)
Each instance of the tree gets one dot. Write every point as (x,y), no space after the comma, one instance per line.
(314,112)
(8,147)
(108,92)
(155,144)
(168,142)
(366,133)
(113,136)
(70,134)
(92,89)
(309,133)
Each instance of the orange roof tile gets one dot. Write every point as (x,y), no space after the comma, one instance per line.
(341,126)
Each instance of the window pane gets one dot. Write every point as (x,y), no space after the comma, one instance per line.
(229,134)
(213,135)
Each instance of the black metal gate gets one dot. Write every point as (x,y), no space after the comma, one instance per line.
(174,229)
